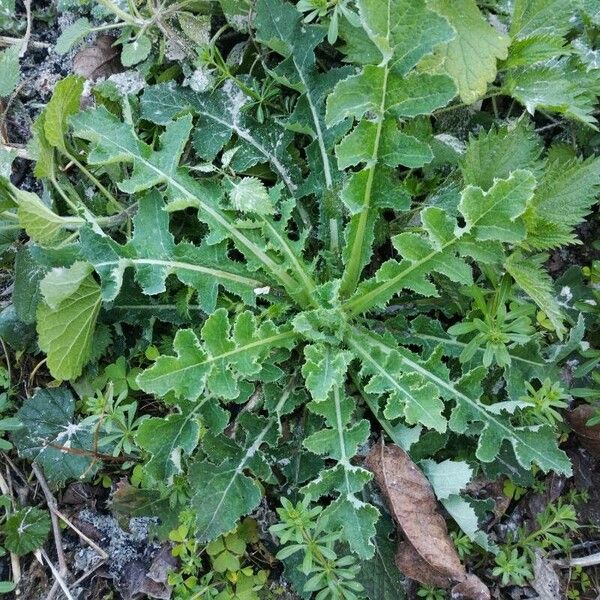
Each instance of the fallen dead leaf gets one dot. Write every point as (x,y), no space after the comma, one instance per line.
(428,554)
(588,436)
(99,60)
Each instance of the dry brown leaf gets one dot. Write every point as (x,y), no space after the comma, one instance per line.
(100,60)
(588,436)
(428,555)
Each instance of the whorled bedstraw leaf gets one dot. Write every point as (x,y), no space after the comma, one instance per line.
(340,441)
(470,58)
(25,530)
(52,439)
(66,332)
(229,352)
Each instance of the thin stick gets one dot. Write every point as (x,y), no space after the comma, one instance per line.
(80,533)
(6,40)
(7,359)
(584,561)
(27,35)
(40,554)
(52,505)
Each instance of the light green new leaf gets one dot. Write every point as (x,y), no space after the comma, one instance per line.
(227,354)
(64,103)
(324,368)
(66,333)
(62,282)
(470,58)
(249,195)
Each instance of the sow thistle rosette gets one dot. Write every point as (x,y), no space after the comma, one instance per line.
(277,257)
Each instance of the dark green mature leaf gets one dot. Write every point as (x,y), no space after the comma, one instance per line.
(340,442)
(51,438)
(531,444)
(26,530)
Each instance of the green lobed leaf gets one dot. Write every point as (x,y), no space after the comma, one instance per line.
(229,352)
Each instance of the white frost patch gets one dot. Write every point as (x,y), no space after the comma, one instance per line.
(566,293)
(262,290)
(452,142)
(200,80)
(236,99)
(128,82)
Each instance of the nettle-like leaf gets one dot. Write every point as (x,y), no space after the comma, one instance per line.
(229,352)
(340,442)
(530,444)
(574,184)
(382,92)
